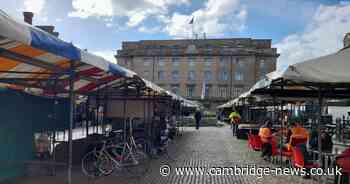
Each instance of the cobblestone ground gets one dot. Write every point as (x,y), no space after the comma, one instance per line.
(209,146)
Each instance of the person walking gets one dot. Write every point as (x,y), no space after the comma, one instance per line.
(235,120)
(198,117)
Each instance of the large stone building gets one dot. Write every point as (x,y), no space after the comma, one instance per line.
(221,69)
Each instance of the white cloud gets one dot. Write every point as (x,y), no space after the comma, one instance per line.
(58,19)
(150,30)
(323,35)
(35,6)
(215,18)
(107,54)
(136,11)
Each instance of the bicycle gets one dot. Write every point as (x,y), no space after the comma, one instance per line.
(128,155)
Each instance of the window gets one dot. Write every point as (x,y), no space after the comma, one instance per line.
(209,50)
(207,91)
(175,89)
(175,75)
(147,61)
(176,61)
(161,75)
(238,76)
(176,51)
(223,75)
(191,75)
(207,62)
(191,62)
(262,63)
(263,68)
(239,64)
(191,90)
(222,61)
(161,62)
(207,75)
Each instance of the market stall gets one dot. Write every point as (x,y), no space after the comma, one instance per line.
(316,80)
(42,66)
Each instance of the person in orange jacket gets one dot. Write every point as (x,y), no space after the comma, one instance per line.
(265,134)
(296,131)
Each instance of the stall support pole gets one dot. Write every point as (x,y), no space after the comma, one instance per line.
(87,112)
(71,121)
(319,140)
(125,121)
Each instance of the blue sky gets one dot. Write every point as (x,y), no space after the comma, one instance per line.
(300,29)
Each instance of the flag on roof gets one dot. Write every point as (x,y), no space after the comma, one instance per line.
(191,22)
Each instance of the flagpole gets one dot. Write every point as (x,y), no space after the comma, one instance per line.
(192,26)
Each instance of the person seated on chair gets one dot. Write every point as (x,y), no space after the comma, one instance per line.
(265,134)
(298,132)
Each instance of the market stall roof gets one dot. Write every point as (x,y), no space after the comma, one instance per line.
(40,63)
(231,103)
(330,73)
(333,69)
(185,102)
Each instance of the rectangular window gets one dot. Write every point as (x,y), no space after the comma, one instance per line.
(238,76)
(191,90)
(223,75)
(263,68)
(161,75)
(175,75)
(239,64)
(208,90)
(147,61)
(208,50)
(222,61)
(176,51)
(207,75)
(192,75)
(161,62)
(191,62)
(176,61)
(208,62)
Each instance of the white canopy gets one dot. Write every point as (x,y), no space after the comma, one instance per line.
(234,101)
(333,68)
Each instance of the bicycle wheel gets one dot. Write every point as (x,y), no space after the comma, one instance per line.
(89,164)
(143,144)
(105,165)
(142,166)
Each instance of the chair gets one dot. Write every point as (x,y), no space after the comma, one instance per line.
(250,140)
(344,164)
(298,160)
(254,142)
(297,140)
(257,146)
(293,142)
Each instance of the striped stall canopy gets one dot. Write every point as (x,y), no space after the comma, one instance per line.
(30,58)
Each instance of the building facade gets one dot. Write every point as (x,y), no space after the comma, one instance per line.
(216,69)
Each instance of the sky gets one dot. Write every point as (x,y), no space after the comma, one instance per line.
(299,29)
